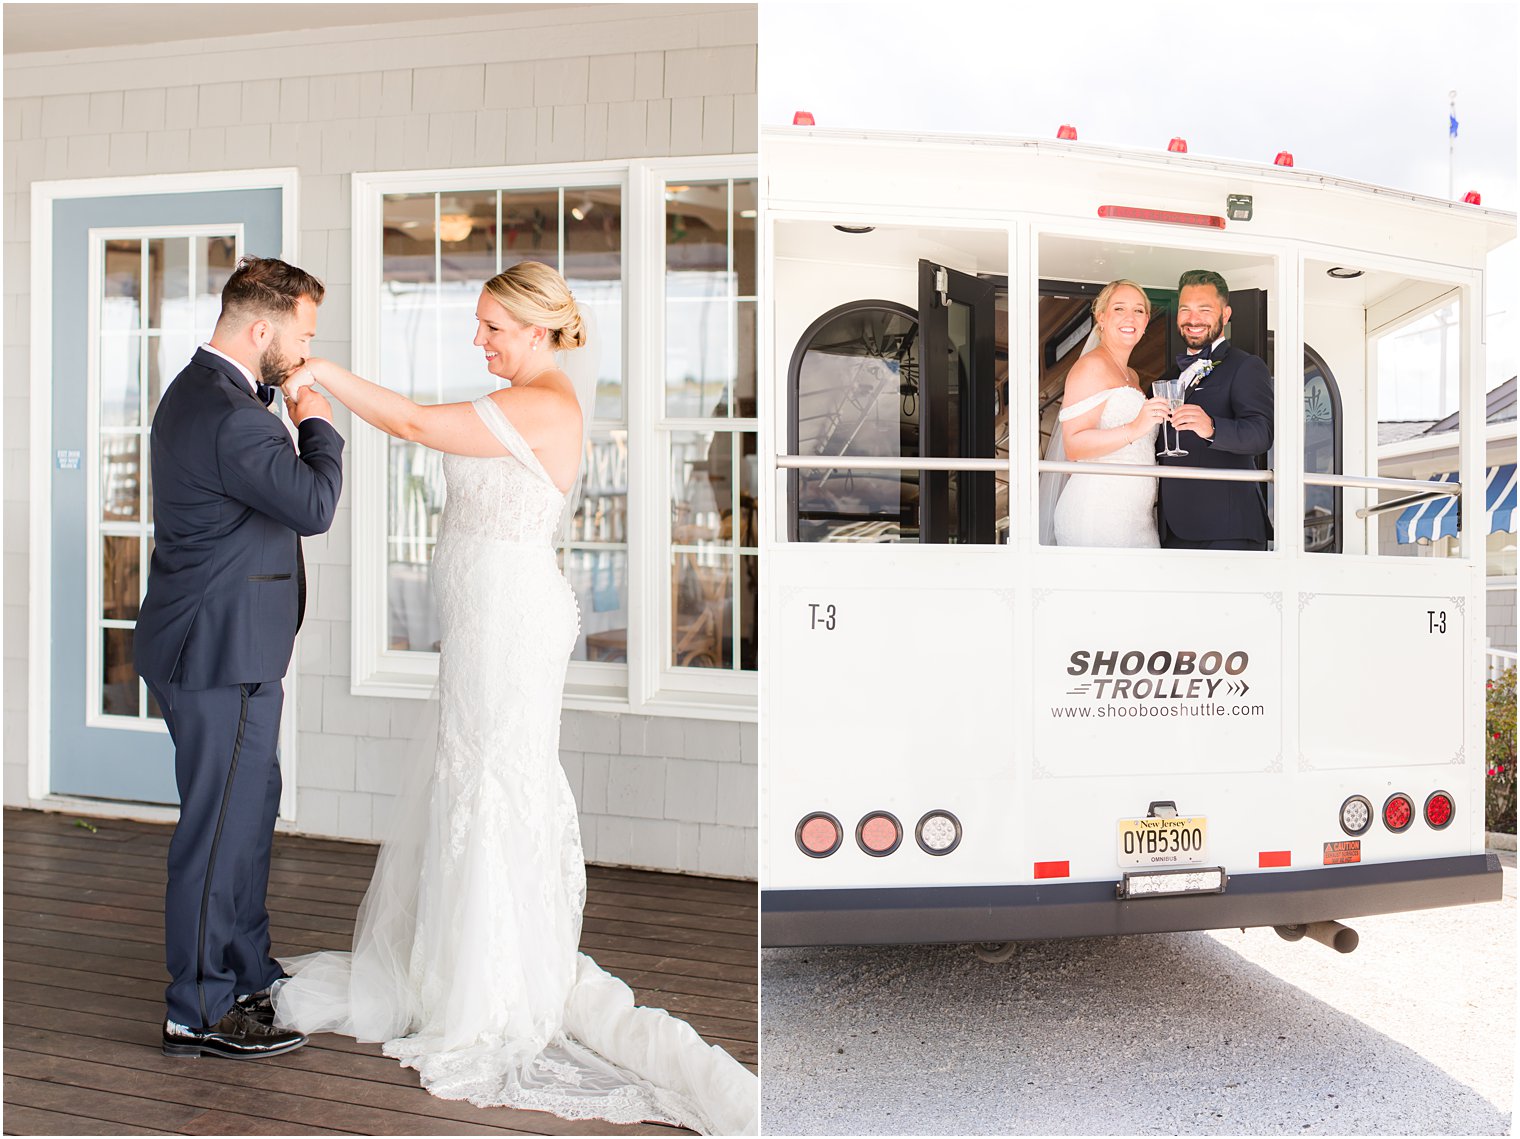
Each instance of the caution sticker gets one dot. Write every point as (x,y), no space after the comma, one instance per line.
(1340,853)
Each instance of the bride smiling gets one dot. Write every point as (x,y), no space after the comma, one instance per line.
(1106,418)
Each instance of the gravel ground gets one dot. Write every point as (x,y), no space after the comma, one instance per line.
(1197,1033)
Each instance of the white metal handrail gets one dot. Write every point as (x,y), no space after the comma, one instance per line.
(1001,466)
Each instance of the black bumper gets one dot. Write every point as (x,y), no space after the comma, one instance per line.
(922,914)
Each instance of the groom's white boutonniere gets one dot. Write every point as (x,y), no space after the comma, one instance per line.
(1198,371)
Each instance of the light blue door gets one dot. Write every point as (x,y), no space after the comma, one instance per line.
(136,286)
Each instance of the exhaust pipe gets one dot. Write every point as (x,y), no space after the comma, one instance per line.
(1341,938)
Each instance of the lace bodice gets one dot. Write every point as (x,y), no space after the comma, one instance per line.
(510,497)
(1122,405)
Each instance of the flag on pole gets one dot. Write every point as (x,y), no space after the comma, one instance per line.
(1452,129)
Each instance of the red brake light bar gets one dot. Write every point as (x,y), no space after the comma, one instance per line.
(1168,217)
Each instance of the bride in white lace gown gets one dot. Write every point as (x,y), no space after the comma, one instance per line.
(465,959)
(1106,418)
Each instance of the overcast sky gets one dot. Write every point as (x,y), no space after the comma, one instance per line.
(1354,88)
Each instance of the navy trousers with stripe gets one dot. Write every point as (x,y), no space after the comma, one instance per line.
(216,926)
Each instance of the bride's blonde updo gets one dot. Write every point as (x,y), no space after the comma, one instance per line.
(1100,302)
(534,294)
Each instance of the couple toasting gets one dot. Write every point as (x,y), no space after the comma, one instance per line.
(464,958)
(1224,422)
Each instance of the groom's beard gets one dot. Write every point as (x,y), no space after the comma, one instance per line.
(275,366)
(1215,331)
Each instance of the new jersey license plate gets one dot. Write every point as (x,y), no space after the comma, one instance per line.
(1162,842)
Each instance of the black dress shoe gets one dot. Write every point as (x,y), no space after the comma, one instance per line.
(261,1003)
(239,1035)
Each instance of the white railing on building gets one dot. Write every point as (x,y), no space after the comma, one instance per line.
(1497,660)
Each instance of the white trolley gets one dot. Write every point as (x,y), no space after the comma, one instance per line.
(969,736)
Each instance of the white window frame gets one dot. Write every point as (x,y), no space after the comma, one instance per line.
(95,715)
(644,685)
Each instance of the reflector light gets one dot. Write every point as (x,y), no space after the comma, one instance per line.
(802,119)
(1283,159)
(1171,217)
(1068,132)
(1439,809)
(938,832)
(1052,869)
(1398,812)
(819,835)
(1166,883)
(1473,198)
(1177,146)
(1269,858)
(879,834)
(1356,815)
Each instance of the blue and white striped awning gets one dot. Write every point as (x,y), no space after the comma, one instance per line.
(1439,517)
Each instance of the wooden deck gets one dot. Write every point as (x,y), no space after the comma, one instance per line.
(84,980)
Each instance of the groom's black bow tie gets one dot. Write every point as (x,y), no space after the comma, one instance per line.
(1188,358)
(265,394)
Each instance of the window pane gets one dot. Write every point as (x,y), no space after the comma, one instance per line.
(702,488)
(699,357)
(416,502)
(601,514)
(530,227)
(594,272)
(119,475)
(744,383)
(121,294)
(168,353)
(600,581)
(216,257)
(169,304)
(745,227)
(857,394)
(467,236)
(119,590)
(119,691)
(749,608)
(696,233)
(701,622)
(120,386)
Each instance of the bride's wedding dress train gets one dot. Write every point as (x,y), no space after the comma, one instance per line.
(465,960)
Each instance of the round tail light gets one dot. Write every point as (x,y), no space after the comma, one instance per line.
(1356,815)
(879,834)
(819,835)
(1398,812)
(1439,809)
(938,832)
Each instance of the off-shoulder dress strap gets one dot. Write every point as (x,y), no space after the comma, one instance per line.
(1086,405)
(509,436)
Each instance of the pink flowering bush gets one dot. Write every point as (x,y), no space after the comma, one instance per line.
(1501,753)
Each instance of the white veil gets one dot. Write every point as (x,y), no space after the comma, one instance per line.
(583,366)
(1052,484)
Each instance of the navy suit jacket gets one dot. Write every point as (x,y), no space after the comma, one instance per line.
(230,496)
(1237,395)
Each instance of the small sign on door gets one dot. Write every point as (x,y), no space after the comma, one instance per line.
(68,460)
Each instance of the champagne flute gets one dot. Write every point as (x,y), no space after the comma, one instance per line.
(1173,392)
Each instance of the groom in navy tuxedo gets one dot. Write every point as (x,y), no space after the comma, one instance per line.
(1225,423)
(226,590)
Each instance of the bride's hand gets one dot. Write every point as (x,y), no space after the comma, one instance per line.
(1153,411)
(298,378)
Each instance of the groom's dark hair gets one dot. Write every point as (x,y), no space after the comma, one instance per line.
(1205,277)
(267,288)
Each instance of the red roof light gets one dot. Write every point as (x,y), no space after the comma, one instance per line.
(1067,132)
(1283,159)
(1473,198)
(802,119)
(1177,146)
